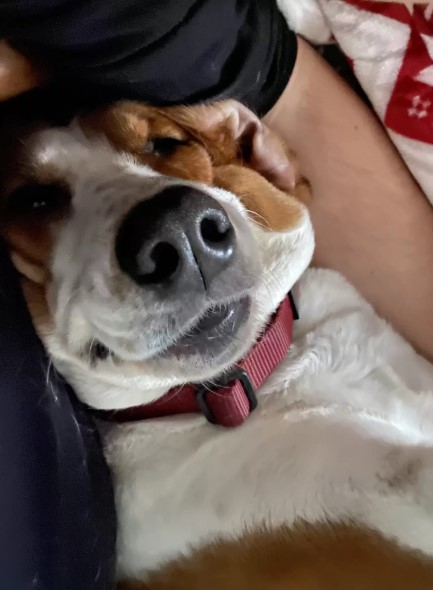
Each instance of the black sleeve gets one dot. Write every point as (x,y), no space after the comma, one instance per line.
(56,502)
(158,51)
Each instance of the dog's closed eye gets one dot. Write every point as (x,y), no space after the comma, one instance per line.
(37,201)
(163,146)
(98,352)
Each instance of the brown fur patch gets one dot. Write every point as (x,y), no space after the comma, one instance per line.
(267,205)
(339,557)
(208,125)
(30,247)
(211,154)
(130,126)
(35,296)
(30,241)
(232,134)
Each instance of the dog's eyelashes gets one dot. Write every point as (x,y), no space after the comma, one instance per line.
(37,201)
(163,146)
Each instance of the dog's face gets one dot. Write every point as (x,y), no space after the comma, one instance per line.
(154,244)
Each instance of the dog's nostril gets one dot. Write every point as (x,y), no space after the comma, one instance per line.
(215,231)
(162,263)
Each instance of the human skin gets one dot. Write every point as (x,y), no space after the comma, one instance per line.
(17,75)
(372,221)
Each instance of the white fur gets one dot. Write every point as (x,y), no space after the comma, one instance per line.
(344,431)
(344,428)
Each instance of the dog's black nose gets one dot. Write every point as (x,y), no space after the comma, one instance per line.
(181,240)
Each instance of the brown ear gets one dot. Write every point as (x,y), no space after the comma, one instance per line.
(270,207)
(232,132)
(17,74)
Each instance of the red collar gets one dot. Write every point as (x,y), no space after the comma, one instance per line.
(229,401)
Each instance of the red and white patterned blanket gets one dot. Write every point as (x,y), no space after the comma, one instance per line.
(390,47)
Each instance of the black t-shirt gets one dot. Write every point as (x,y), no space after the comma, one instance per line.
(158,51)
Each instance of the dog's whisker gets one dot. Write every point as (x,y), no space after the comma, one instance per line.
(49,369)
(90,348)
(254,215)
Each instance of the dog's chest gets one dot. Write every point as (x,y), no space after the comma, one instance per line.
(181,483)
(178,488)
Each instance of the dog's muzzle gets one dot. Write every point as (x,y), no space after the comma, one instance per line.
(180,247)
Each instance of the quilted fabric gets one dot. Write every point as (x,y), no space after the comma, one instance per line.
(390,48)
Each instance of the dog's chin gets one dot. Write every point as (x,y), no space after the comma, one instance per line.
(214,338)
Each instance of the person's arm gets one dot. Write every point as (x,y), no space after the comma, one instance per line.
(372,221)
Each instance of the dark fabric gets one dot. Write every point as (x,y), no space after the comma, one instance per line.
(57,519)
(159,51)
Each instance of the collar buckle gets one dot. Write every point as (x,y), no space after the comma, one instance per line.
(230,381)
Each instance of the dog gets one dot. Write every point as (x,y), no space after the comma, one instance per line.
(157,250)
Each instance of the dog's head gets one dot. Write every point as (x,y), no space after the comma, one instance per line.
(154,244)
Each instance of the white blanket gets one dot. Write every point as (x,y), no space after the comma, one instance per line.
(390,47)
